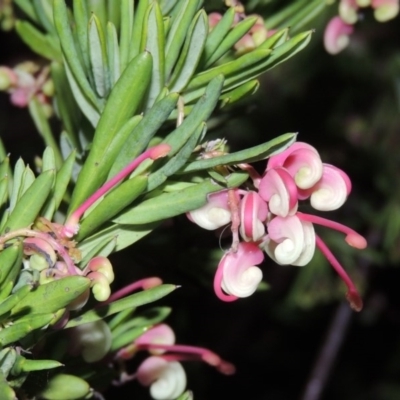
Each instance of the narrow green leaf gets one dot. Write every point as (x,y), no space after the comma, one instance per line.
(62,179)
(40,43)
(27,179)
(18,331)
(27,7)
(4,182)
(88,109)
(119,318)
(186,396)
(48,159)
(177,161)
(178,32)
(132,301)
(8,356)
(218,34)
(11,301)
(28,207)
(43,126)
(275,40)
(282,17)
(98,56)
(123,235)
(278,56)
(17,182)
(44,12)
(121,105)
(231,68)
(114,13)
(5,389)
(52,296)
(23,365)
(250,155)
(153,42)
(10,261)
(231,38)
(191,53)
(167,5)
(71,55)
(169,205)
(127,16)
(137,141)
(114,62)
(66,105)
(137,29)
(81,17)
(99,8)
(245,90)
(65,387)
(112,204)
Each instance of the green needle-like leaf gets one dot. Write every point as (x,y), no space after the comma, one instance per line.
(122,104)
(218,34)
(153,42)
(191,53)
(10,261)
(169,205)
(11,301)
(250,155)
(98,56)
(40,43)
(127,14)
(81,17)
(140,136)
(19,330)
(231,38)
(44,12)
(132,301)
(23,364)
(114,62)
(70,52)
(29,205)
(112,204)
(178,32)
(52,296)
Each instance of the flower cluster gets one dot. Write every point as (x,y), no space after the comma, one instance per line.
(162,370)
(339,28)
(253,38)
(50,251)
(25,81)
(268,220)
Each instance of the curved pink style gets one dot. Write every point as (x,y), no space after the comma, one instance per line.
(336,36)
(159,334)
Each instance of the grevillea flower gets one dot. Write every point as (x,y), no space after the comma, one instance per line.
(385,10)
(167,379)
(290,241)
(348,11)
(237,274)
(214,214)
(91,340)
(278,188)
(336,36)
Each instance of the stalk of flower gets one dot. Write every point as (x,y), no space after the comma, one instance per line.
(142,284)
(71,226)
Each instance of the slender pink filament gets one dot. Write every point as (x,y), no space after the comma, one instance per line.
(352,295)
(153,153)
(217,287)
(184,352)
(353,238)
(146,283)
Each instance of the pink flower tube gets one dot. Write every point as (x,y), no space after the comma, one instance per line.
(336,36)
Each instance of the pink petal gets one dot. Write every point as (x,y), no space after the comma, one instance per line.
(385,10)
(278,188)
(336,36)
(332,190)
(348,11)
(159,334)
(253,212)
